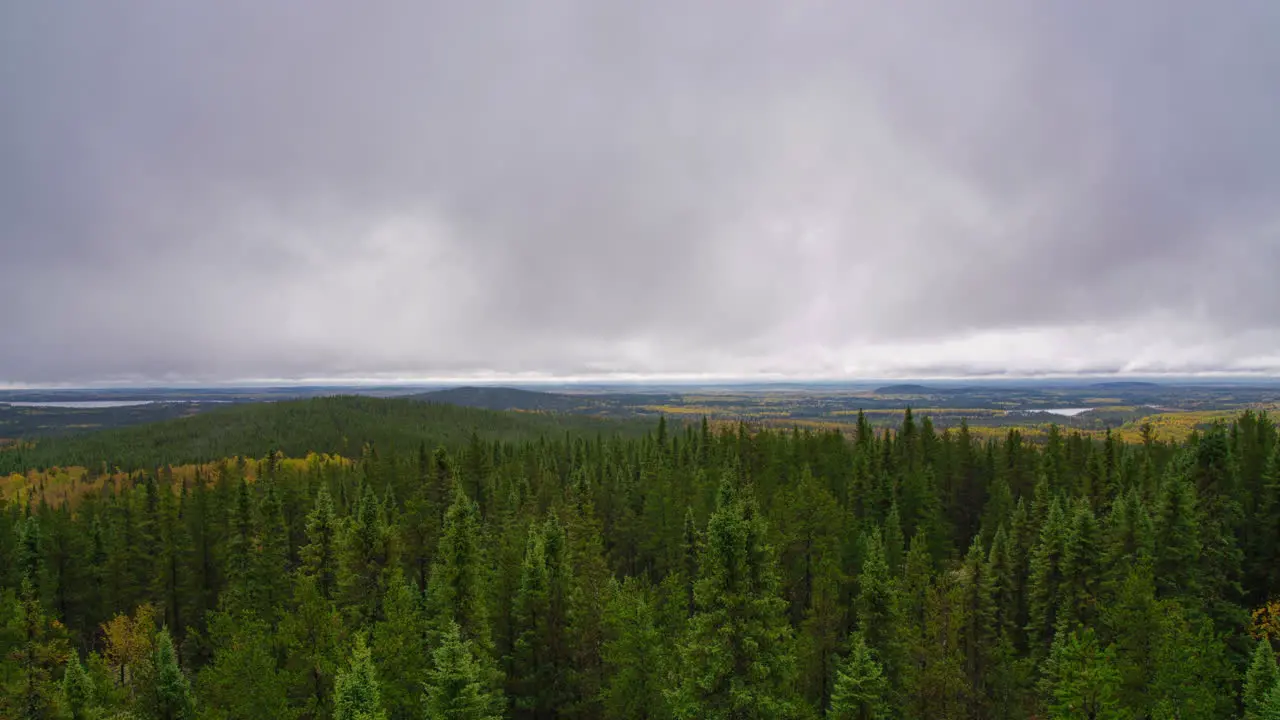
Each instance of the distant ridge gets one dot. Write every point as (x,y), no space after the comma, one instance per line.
(905,389)
(336,425)
(1125,385)
(506,398)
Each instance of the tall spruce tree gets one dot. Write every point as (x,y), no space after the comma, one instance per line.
(1259,680)
(861,690)
(736,657)
(457,687)
(356,694)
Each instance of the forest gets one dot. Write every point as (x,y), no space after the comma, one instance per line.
(483,565)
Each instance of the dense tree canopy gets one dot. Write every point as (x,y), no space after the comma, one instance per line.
(691,572)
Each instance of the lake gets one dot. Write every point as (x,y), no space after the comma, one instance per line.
(1067,412)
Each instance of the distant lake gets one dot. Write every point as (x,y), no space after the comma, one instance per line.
(1068,412)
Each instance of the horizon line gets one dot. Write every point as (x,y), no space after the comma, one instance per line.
(621,379)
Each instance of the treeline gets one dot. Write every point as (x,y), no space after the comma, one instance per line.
(684,574)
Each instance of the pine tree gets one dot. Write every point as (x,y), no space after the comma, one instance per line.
(861,690)
(457,686)
(356,694)
(1259,679)
(735,658)
(1269,709)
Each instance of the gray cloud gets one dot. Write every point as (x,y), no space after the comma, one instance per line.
(247,189)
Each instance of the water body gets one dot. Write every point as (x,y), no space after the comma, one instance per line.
(1067,412)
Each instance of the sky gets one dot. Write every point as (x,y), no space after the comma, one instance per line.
(254,189)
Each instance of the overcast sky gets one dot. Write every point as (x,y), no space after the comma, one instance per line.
(216,191)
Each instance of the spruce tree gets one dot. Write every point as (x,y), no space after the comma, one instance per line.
(77,690)
(1081,569)
(458,591)
(356,694)
(243,681)
(319,555)
(540,662)
(1081,681)
(636,662)
(736,658)
(167,692)
(589,578)
(877,606)
(860,690)
(309,635)
(364,557)
(457,686)
(399,648)
(1191,671)
(1259,679)
(1269,709)
(1045,583)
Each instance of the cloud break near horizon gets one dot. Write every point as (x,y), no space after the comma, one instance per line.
(248,189)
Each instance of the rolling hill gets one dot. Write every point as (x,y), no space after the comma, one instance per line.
(338,425)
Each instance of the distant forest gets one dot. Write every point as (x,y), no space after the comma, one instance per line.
(440,562)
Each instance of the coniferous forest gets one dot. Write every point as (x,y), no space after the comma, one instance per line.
(689,572)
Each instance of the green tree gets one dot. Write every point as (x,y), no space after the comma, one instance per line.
(860,690)
(1191,673)
(310,636)
(364,556)
(877,606)
(736,658)
(399,648)
(458,591)
(77,690)
(319,555)
(1269,709)
(457,685)
(1081,681)
(1259,679)
(539,675)
(635,663)
(166,691)
(242,682)
(356,693)
(36,648)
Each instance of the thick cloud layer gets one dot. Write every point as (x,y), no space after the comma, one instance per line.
(248,189)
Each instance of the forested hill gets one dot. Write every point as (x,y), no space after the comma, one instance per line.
(337,425)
